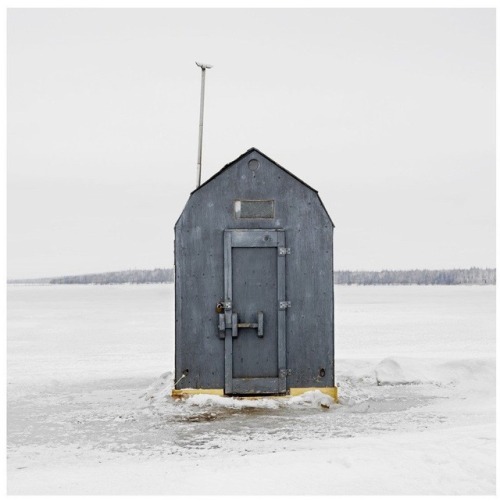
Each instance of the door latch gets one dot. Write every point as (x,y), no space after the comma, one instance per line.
(259,325)
(285,304)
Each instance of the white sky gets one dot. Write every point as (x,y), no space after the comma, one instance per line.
(390,114)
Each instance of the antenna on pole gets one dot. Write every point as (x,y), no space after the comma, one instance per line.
(203,67)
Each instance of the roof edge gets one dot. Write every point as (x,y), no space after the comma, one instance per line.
(251,150)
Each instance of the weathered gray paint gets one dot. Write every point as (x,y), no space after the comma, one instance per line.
(303,333)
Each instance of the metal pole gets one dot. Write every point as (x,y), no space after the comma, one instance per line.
(202,105)
(200,133)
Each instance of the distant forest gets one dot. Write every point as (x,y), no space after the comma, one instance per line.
(156,276)
(472,276)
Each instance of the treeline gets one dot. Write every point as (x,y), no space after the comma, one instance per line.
(472,276)
(25,281)
(158,275)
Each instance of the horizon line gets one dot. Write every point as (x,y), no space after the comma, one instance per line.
(53,277)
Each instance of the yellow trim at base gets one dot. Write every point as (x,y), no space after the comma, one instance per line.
(197,391)
(331,391)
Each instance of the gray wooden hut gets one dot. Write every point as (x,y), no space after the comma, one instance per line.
(254,284)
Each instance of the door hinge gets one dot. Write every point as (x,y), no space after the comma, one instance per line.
(285,304)
(285,372)
(283,251)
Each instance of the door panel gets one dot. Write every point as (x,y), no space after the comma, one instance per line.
(255,290)
(254,320)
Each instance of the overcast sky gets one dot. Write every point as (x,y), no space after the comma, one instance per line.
(390,114)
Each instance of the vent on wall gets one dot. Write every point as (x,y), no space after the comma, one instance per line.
(254,209)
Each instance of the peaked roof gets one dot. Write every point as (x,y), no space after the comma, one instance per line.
(251,150)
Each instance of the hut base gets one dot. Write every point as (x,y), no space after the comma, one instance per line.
(293,392)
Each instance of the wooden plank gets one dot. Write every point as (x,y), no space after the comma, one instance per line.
(281,316)
(227,266)
(248,326)
(260,324)
(234,323)
(255,386)
(228,362)
(254,238)
(228,272)
(228,342)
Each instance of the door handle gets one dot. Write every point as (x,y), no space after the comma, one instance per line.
(247,325)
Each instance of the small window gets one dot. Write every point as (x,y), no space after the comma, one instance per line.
(254,209)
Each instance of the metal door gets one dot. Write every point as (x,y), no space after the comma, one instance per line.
(253,324)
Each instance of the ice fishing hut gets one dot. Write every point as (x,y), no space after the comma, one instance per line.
(254,285)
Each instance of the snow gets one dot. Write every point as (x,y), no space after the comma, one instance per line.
(90,412)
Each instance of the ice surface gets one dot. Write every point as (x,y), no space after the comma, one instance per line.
(90,369)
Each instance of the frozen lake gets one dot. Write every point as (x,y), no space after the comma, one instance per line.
(88,412)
